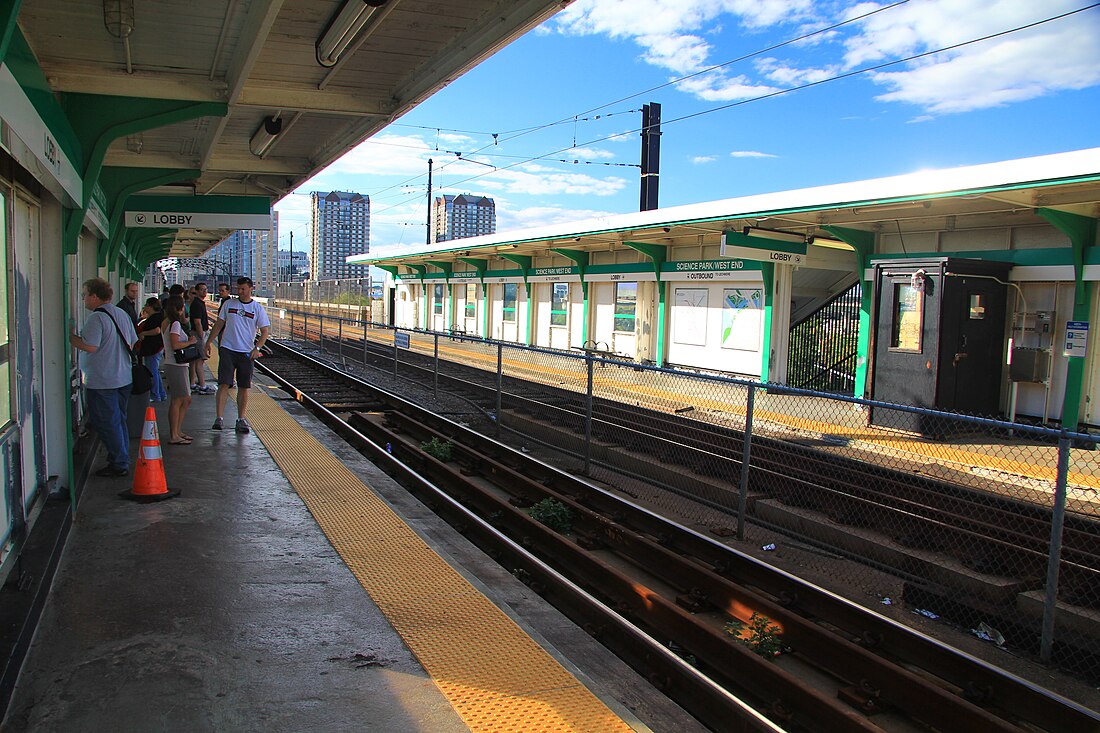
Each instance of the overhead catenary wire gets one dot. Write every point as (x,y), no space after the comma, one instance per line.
(807,85)
(571,118)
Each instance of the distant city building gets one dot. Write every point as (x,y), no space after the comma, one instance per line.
(299,270)
(251,253)
(341,228)
(465,215)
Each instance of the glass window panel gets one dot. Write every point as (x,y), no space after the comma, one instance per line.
(471,301)
(437,300)
(626,306)
(559,304)
(511,293)
(908,318)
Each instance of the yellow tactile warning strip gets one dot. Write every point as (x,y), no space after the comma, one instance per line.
(493,674)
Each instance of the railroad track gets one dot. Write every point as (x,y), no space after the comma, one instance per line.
(988,533)
(841,668)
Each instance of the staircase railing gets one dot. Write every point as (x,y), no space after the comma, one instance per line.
(822,353)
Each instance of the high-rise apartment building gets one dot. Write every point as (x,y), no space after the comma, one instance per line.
(341,227)
(465,215)
(252,253)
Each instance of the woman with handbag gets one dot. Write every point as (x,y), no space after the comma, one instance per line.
(151,345)
(176,370)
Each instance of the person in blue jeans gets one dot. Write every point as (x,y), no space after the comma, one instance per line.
(151,346)
(106,365)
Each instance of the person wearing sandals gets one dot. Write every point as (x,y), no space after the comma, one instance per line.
(178,387)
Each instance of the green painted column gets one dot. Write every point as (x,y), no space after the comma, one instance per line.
(580,259)
(767,272)
(9,13)
(864,245)
(1081,231)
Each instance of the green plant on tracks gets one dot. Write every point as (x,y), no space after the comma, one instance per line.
(438,449)
(553,514)
(762,635)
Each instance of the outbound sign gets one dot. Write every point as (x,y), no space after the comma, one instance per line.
(401,339)
(195,220)
(1077,338)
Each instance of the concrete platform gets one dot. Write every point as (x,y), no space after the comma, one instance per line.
(228,609)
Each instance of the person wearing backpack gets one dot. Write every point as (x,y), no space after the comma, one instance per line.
(106,344)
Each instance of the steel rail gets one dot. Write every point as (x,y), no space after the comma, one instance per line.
(1018,697)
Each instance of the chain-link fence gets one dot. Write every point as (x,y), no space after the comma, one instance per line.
(989,525)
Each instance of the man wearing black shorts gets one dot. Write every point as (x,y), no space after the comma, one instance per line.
(238,320)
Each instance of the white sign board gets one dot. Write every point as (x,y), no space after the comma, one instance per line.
(1077,338)
(763,255)
(195,220)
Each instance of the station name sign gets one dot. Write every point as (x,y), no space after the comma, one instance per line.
(737,245)
(195,220)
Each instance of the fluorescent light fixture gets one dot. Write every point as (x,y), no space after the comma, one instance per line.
(343,29)
(829,242)
(901,206)
(265,136)
(774,234)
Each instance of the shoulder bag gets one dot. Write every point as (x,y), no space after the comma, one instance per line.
(141,377)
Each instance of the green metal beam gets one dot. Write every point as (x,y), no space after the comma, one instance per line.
(480,265)
(99,120)
(1081,231)
(9,13)
(864,245)
(392,269)
(119,184)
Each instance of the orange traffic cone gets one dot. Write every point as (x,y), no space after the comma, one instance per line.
(149,481)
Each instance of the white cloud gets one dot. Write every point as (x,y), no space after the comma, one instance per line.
(515,181)
(700,159)
(679,36)
(589,154)
(1012,68)
(624,19)
(510,218)
(750,154)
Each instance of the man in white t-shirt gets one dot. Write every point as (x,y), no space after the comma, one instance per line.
(238,320)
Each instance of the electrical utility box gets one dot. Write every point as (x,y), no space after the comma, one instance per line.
(939,333)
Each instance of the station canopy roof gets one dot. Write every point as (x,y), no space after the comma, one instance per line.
(990,195)
(283,103)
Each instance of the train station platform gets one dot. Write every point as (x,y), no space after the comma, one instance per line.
(293,586)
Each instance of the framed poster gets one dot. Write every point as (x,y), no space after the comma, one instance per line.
(689,316)
(742,318)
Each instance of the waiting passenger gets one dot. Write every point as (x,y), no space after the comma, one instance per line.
(176,371)
(107,342)
(151,345)
(238,320)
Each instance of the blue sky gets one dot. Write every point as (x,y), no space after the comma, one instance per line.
(1025,93)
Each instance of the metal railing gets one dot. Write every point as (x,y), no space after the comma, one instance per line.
(823,346)
(998,531)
